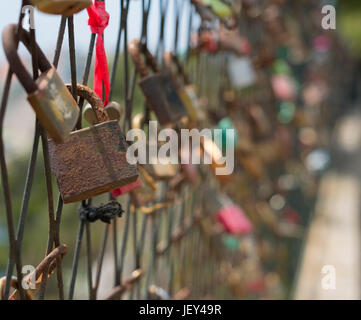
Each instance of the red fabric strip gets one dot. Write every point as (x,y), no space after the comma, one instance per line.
(98,21)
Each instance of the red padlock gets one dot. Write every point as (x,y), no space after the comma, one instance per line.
(284,87)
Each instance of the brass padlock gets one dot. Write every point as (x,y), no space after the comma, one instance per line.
(155,169)
(63,7)
(187,91)
(53,104)
(93,160)
(158,89)
(159,171)
(215,153)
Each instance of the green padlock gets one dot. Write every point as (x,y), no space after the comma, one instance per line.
(221,9)
(281,67)
(231,242)
(287,112)
(230,137)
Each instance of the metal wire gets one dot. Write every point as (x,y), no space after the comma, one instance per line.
(167,247)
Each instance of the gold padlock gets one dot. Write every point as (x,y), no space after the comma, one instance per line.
(52,102)
(157,171)
(160,171)
(63,7)
(215,153)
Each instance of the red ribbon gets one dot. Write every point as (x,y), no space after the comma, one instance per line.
(98,21)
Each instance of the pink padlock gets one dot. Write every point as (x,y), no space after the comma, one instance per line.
(283,87)
(322,44)
(234,220)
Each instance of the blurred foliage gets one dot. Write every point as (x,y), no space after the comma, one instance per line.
(349,24)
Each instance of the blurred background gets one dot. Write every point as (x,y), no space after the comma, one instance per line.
(326,205)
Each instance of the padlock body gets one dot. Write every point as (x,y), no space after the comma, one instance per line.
(54,106)
(192,94)
(163,98)
(213,151)
(241,72)
(160,171)
(62,7)
(188,103)
(234,220)
(91,162)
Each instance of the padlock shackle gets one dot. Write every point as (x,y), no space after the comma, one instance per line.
(138,121)
(10,39)
(150,60)
(181,70)
(136,50)
(168,63)
(169,59)
(96,103)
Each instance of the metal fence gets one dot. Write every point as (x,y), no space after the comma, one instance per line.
(165,250)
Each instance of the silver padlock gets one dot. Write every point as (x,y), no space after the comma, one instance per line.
(241,72)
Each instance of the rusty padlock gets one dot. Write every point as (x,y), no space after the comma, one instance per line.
(186,91)
(63,7)
(53,104)
(158,89)
(93,160)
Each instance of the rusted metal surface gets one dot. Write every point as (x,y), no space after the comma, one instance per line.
(93,160)
(47,266)
(126,286)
